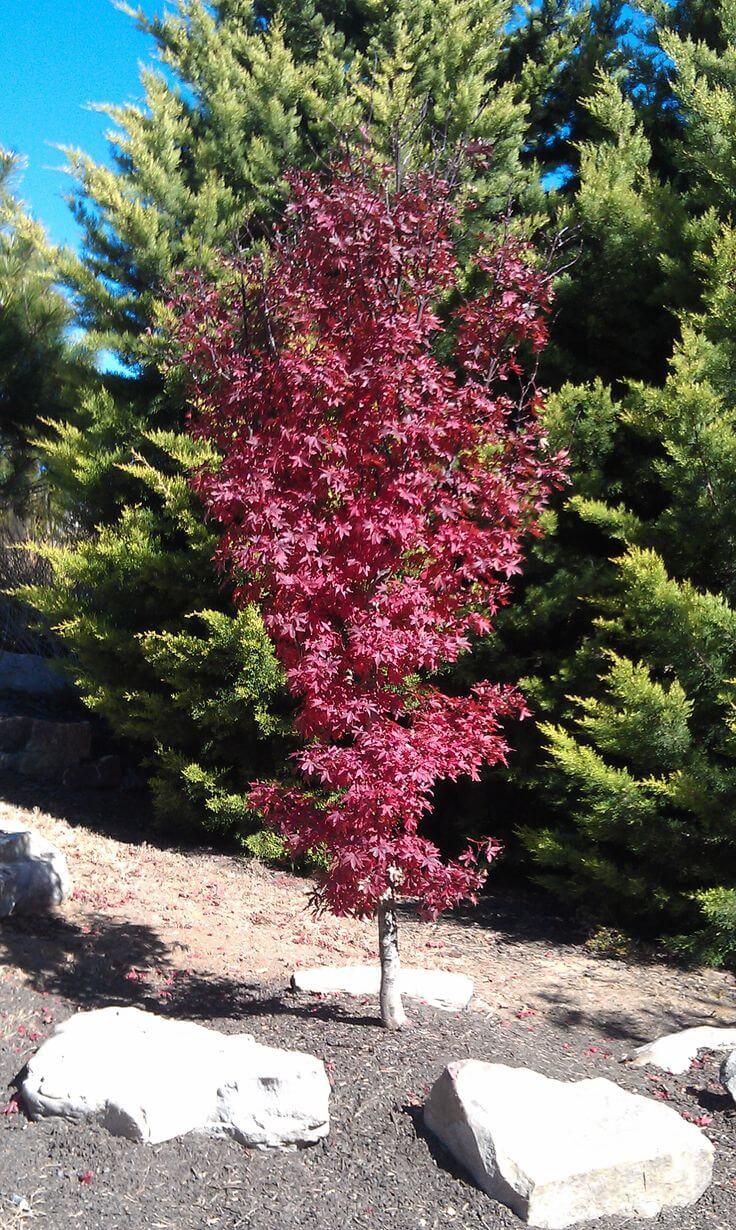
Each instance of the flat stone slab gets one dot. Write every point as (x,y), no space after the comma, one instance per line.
(560,1152)
(151,1079)
(451,992)
(674,1052)
(33,872)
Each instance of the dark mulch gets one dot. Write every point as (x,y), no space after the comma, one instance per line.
(377,1169)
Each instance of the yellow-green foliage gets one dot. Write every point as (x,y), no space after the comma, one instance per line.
(623,634)
(612,322)
(197,689)
(642,767)
(270,848)
(40,370)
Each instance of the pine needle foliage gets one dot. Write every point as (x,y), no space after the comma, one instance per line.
(640,773)
(40,371)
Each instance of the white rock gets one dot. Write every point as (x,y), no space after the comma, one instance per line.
(150,1079)
(452,992)
(674,1052)
(33,872)
(728,1074)
(559,1152)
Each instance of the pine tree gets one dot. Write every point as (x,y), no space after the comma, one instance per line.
(614,318)
(39,370)
(555,51)
(619,136)
(644,766)
(604,330)
(704,72)
(641,774)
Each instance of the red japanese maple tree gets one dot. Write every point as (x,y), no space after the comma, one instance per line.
(382,459)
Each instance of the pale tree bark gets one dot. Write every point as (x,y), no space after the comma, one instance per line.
(392,1010)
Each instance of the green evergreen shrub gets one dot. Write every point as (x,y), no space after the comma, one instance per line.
(622,790)
(40,370)
(641,782)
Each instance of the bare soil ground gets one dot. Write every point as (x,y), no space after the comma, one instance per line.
(145,913)
(214,937)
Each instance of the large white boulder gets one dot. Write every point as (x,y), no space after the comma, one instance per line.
(33,872)
(559,1153)
(150,1079)
(674,1052)
(452,992)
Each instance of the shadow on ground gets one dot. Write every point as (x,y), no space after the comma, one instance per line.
(519,913)
(104,962)
(616,1024)
(516,912)
(123,814)
(517,942)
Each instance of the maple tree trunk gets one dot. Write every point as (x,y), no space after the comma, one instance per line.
(392,1011)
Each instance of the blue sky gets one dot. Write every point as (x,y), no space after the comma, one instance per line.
(57,56)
